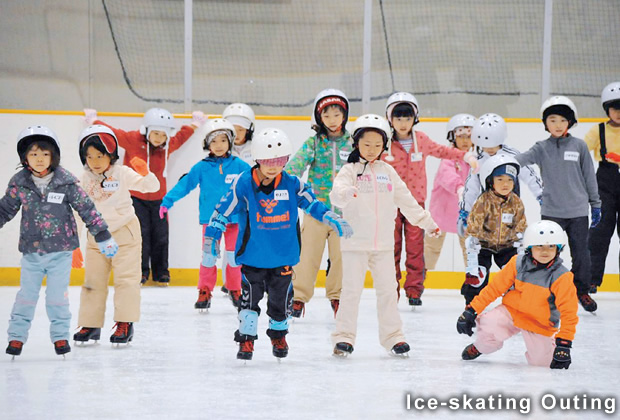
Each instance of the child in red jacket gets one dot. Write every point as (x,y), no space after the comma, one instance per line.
(153,142)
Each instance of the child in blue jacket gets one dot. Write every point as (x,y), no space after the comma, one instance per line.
(268,246)
(214,174)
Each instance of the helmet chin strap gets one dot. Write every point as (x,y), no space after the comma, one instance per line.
(34,171)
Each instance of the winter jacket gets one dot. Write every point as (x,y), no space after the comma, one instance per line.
(244,152)
(412,171)
(268,219)
(372,213)
(111,193)
(47,223)
(444,205)
(496,220)
(540,300)
(215,175)
(568,175)
(474,186)
(324,157)
(136,144)
(612,140)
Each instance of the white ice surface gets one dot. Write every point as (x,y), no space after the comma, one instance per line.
(182,365)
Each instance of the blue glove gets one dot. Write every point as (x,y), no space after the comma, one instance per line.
(210,251)
(219,222)
(461,224)
(109,247)
(596,216)
(338,224)
(539,199)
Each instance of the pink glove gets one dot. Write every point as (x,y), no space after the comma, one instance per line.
(90,116)
(471,160)
(434,233)
(162,211)
(198,118)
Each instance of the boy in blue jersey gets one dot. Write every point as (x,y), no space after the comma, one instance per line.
(268,246)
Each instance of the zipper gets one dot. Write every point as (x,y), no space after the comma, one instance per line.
(376,194)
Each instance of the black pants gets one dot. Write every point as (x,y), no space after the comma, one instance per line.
(608,178)
(277,283)
(485,257)
(154,238)
(577,231)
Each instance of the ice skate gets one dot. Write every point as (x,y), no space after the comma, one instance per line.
(414,299)
(588,303)
(298,309)
(470,353)
(246,350)
(204,300)
(14,348)
(343,350)
(123,333)
(163,281)
(85,334)
(224,290)
(280,348)
(235,298)
(401,349)
(62,347)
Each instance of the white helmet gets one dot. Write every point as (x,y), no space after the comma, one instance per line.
(157,119)
(495,162)
(610,94)
(110,144)
(328,93)
(545,232)
(401,98)
(240,114)
(219,124)
(459,120)
(489,131)
(560,105)
(33,133)
(271,143)
(371,121)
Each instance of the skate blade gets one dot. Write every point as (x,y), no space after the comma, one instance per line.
(13,358)
(399,356)
(340,354)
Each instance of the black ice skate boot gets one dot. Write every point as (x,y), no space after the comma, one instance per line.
(335,305)
(414,298)
(86,334)
(204,300)
(123,333)
(246,350)
(280,348)
(587,302)
(401,349)
(343,349)
(14,348)
(62,347)
(224,290)
(470,353)
(235,298)
(298,309)
(163,281)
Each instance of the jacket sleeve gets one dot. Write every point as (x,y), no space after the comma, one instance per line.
(9,204)
(180,138)
(471,192)
(185,185)
(502,281)
(528,175)
(137,182)
(587,168)
(592,140)
(447,177)
(475,220)
(343,180)
(84,206)
(302,159)
(529,157)
(522,220)
(438,150)
(566,302)
(307,201)
(408,205)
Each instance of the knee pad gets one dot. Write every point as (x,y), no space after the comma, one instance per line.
(278,325)
(230,256)
(248,322)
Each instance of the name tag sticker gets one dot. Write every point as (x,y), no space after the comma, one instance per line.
(344,155)
(280,195)
(230,178)
(383,179)
(416,157)
(507,217)
(55,198)
(574,156)
(111,185)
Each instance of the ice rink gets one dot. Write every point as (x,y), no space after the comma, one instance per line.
(182,365)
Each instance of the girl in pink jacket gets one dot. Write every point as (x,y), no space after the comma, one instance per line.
(448,188)
(370,192)
(407,154)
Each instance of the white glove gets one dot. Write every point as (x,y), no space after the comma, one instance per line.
(433,233)
(90,116)
(198,118)
(471,160)
(459,192)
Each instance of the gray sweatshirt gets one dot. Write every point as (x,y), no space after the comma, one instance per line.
(568,176)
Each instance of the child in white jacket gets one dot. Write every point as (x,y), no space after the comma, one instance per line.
(369,192)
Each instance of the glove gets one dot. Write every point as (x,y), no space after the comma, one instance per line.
(198,118)
(77,260)
(596,216)
(561,354)
(466,321)
(90,116)
(162,211)
(614,157)
(519,244)
(218,222)
(471,160)
(109,247)
(139,166)
(459,192)
(539,199)
(338,224)
(434,233)
(461,224)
